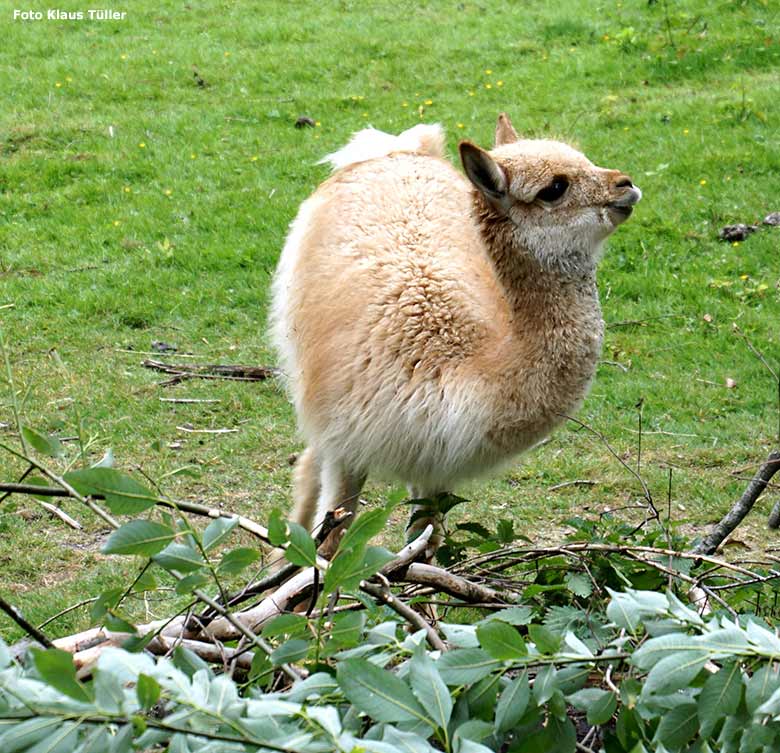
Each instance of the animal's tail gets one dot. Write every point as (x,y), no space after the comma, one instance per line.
(371,143)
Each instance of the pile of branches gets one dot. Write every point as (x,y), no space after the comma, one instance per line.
(572,647)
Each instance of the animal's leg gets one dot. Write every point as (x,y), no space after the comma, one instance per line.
(339,487)
(306,488)
(421,517)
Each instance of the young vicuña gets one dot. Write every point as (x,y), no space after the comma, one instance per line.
(433,326)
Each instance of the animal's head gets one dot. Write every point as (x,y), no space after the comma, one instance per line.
(556,203)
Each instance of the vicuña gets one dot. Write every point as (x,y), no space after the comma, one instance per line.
(432,326)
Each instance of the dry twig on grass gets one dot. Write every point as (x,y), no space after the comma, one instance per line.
(210,371)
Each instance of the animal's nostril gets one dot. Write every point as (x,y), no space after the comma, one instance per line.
(624,183)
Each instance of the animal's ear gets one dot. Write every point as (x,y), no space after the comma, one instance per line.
(485,174)
(505,132)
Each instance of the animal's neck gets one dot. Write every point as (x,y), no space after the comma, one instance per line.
(541,296)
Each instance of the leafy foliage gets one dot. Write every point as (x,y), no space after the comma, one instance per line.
(384,689)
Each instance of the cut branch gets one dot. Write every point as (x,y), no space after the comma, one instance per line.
(454,585)
(384,596)
(741,507)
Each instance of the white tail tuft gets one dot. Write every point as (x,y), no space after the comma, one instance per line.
(371,143)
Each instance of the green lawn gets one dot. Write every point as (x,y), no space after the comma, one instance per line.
(137,205)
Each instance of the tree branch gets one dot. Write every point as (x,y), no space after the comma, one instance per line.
(741,507)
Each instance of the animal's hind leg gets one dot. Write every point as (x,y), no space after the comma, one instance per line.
(421,517)
(306,488)
(339,487)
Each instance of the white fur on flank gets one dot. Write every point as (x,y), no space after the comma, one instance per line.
(371,143)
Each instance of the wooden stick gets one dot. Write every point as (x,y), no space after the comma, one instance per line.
(384,596)
(454,585)
(28,628)
(210,371)
(759,482)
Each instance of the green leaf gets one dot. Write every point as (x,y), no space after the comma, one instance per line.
(512,703)
(188,661)
(347,628)
(677,726)
(56,668)
(180,557)
(466,665)
(148,691)
(188,584)
(123,494)
(285,624)
(5,655)
(545,640)
(623,611)
(46,444)
(545,684)
(379,693)
(501,641)
(429,688)
(474,729)
(238,559)
(105,601)
(720,696)
(143,537)
(290,651)
(24,735)
(482,697)
(366,526)
(513,615)
(118,624)
(277,528)
(350,567)
(665,645)
(261,668)
(579,584)
(674,672)
(301,550)
(217,531)
(598,704)
(760,687)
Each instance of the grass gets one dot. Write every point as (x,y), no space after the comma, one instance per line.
(137,206)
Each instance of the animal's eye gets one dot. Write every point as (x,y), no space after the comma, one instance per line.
(555,190)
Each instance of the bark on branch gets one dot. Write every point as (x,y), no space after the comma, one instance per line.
(742,506)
